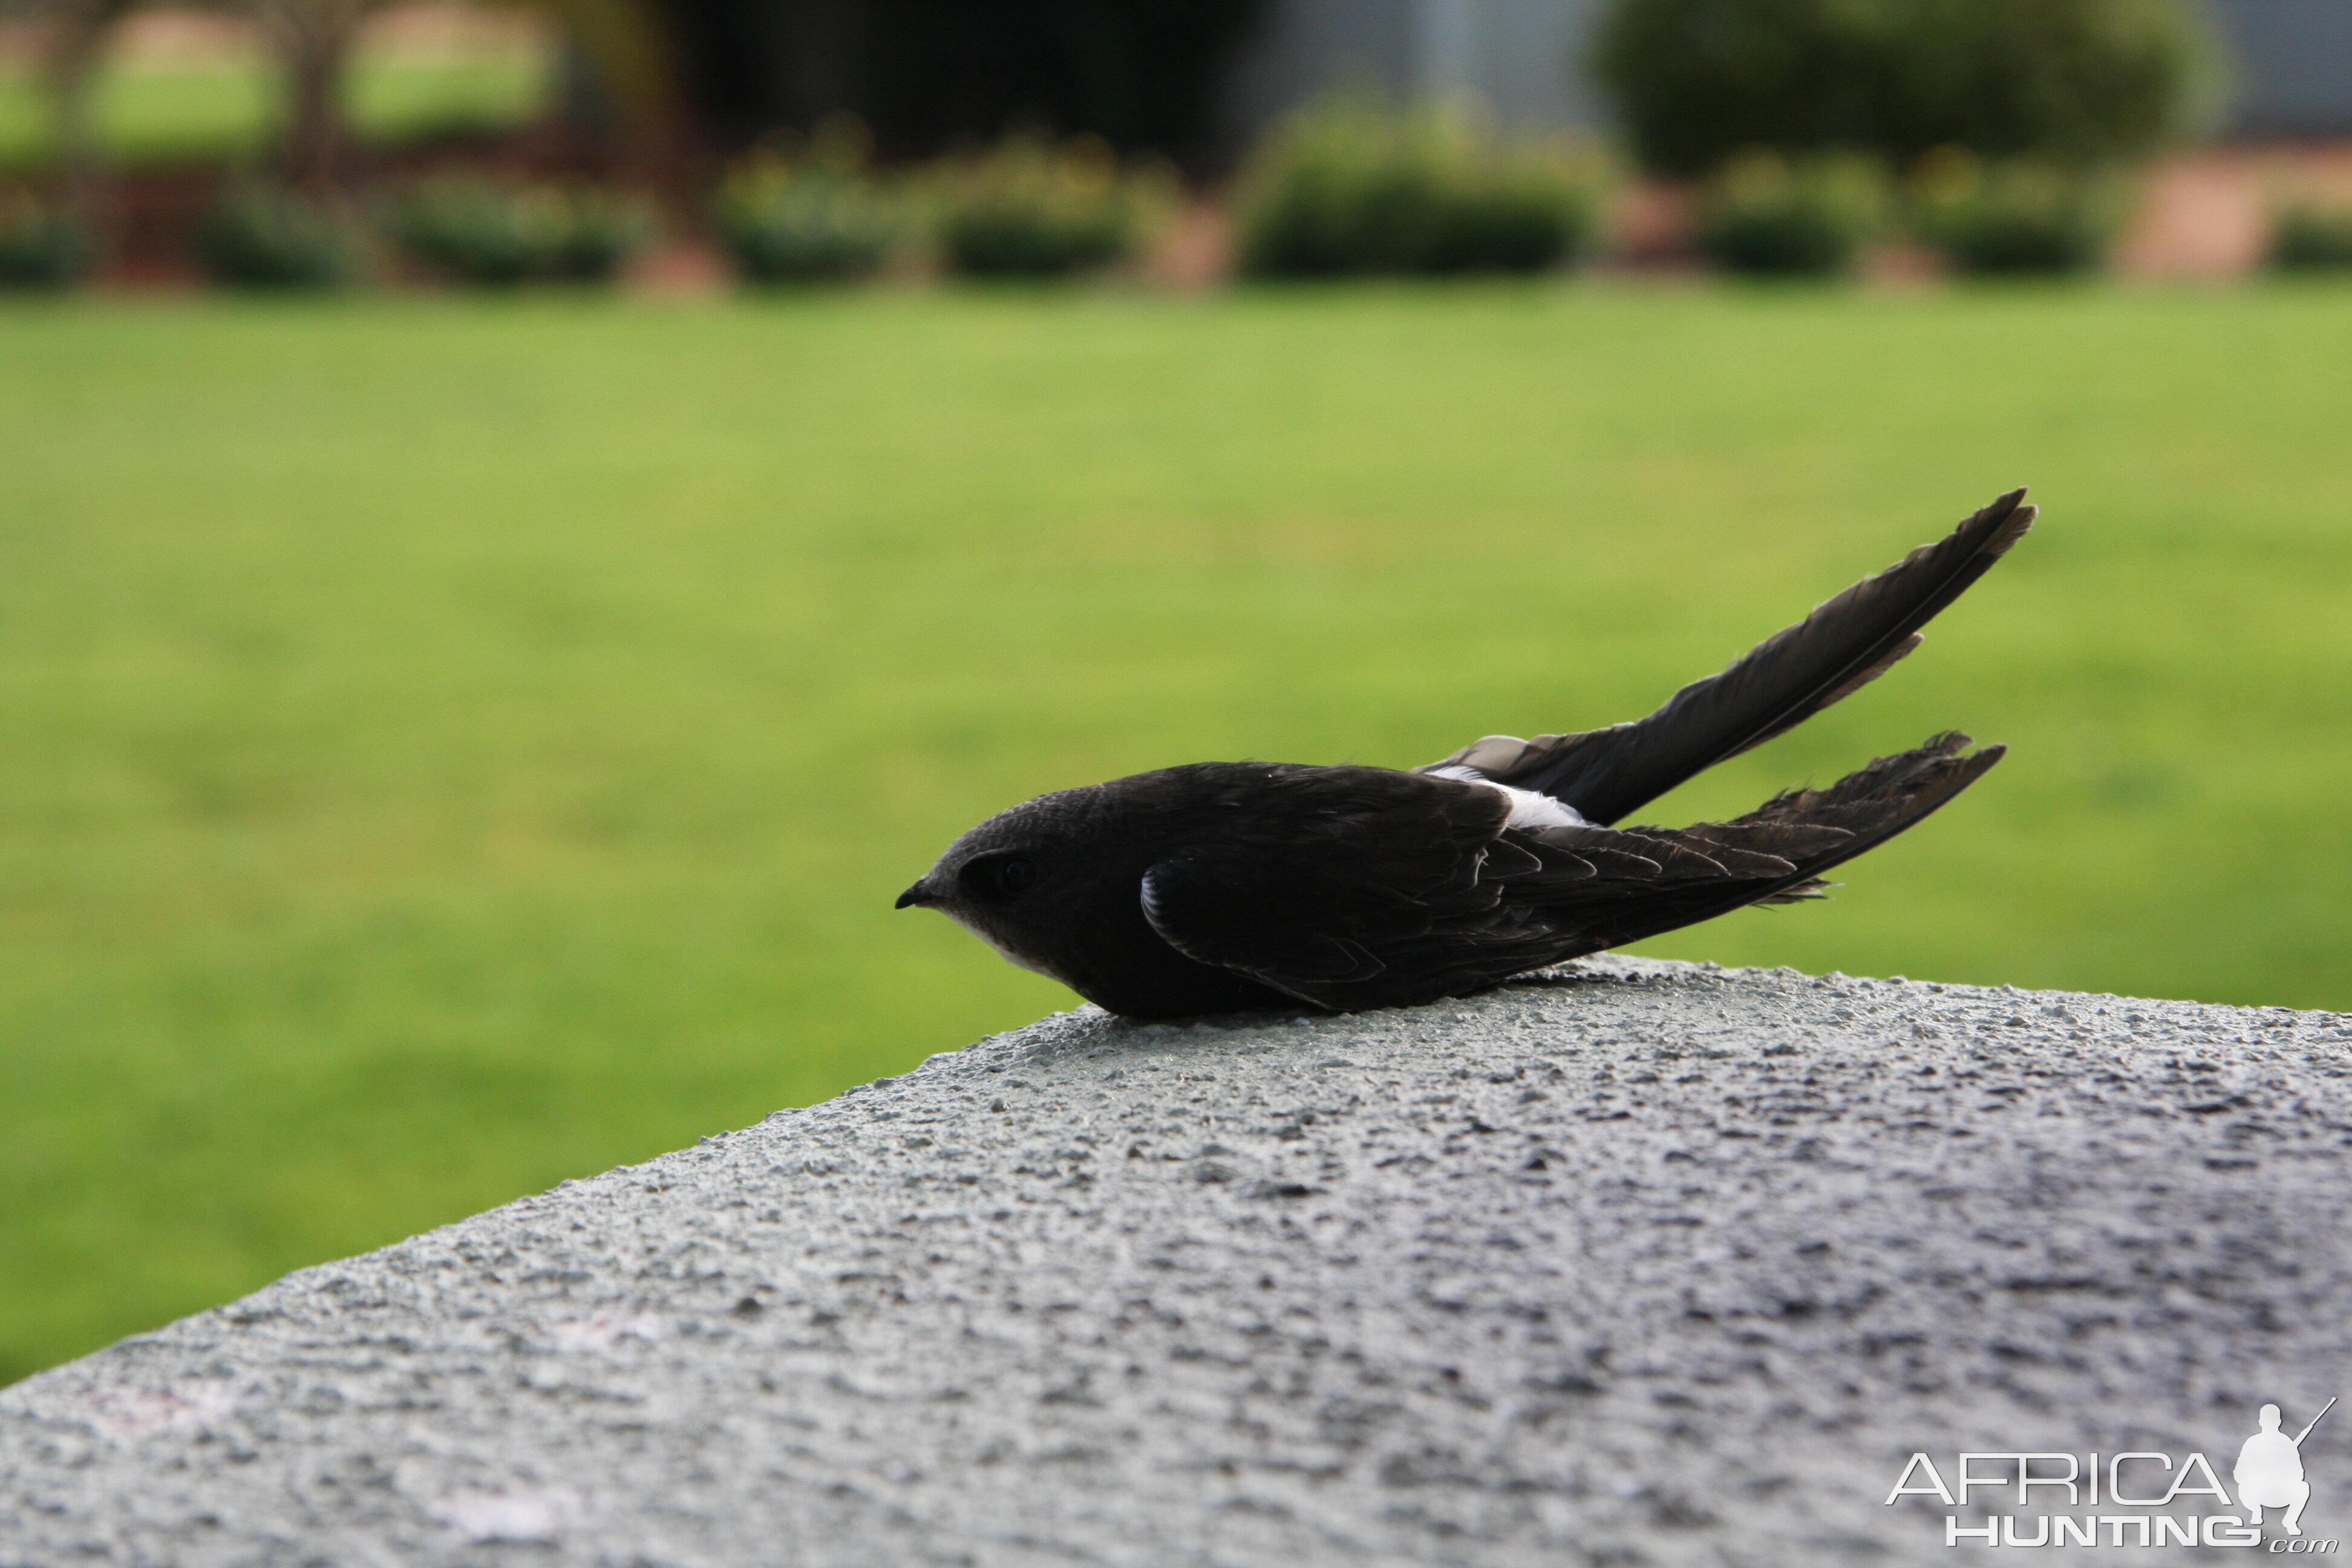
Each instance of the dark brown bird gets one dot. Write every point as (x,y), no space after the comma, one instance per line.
(1223,887)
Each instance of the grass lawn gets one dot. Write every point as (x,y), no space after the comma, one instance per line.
(453,745)
(230,107)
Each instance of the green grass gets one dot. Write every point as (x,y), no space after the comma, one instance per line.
(24,116)
(397,100)
(230,107)
(451,746)
(195,111)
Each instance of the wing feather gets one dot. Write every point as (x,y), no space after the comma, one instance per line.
(1359,888)
(1844,644)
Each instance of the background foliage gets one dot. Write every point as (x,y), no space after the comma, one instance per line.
(2068,80)
(255,235)
(2017,218)
(178,110)
(1028,208)
(2313,237)
(934,75)
(1761,215)
(1351,185)
(491,231)
(817,218)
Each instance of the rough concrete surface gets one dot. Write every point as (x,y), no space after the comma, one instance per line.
(1641,1263)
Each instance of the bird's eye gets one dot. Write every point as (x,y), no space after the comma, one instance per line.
(1002,876)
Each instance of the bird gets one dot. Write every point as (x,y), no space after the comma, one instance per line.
(1251,887)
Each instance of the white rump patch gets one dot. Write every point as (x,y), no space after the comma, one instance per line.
(1529,810)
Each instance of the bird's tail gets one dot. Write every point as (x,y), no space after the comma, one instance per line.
(1860,812)
(1873,804)
(1843,645)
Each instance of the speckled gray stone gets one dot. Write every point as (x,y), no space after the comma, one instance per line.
(1647,1263)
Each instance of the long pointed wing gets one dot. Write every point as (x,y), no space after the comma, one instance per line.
(1429,895)
(1846,643)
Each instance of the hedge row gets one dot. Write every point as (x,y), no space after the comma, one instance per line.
(1026,209)
(1347,187)
(1350,186)
(1029,208)
(1766,214)
(1348,190)
(259,234)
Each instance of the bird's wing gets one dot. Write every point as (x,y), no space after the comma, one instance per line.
(1302,883)
(1846,643)
(1433,896)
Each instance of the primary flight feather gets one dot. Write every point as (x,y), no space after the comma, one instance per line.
(1224,887)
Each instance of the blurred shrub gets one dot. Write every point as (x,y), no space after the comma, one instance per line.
(782,225)
(812,217)
(1032,209)
(491,231)
(1765,216)
(2069,82)
(1350,187)
(2308,238)
(600,231)
(2011,218)
(255,235)
(477,229)
(41,246)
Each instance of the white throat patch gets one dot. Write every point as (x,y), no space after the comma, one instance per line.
(1003,951)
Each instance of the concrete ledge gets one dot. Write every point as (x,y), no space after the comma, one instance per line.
(1647,1263)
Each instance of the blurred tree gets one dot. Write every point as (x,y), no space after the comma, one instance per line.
(623,42)
(631,53)
(2073,82)
(927,75)
(310,38)
(313,39)
(73,33)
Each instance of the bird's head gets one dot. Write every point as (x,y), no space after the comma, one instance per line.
(1014,880)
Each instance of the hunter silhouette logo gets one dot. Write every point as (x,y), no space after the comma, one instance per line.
(2270,1470)
(2125,1493)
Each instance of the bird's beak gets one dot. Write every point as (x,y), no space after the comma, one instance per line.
(918,894)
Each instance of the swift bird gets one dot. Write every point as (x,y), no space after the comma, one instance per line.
(1230,886)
